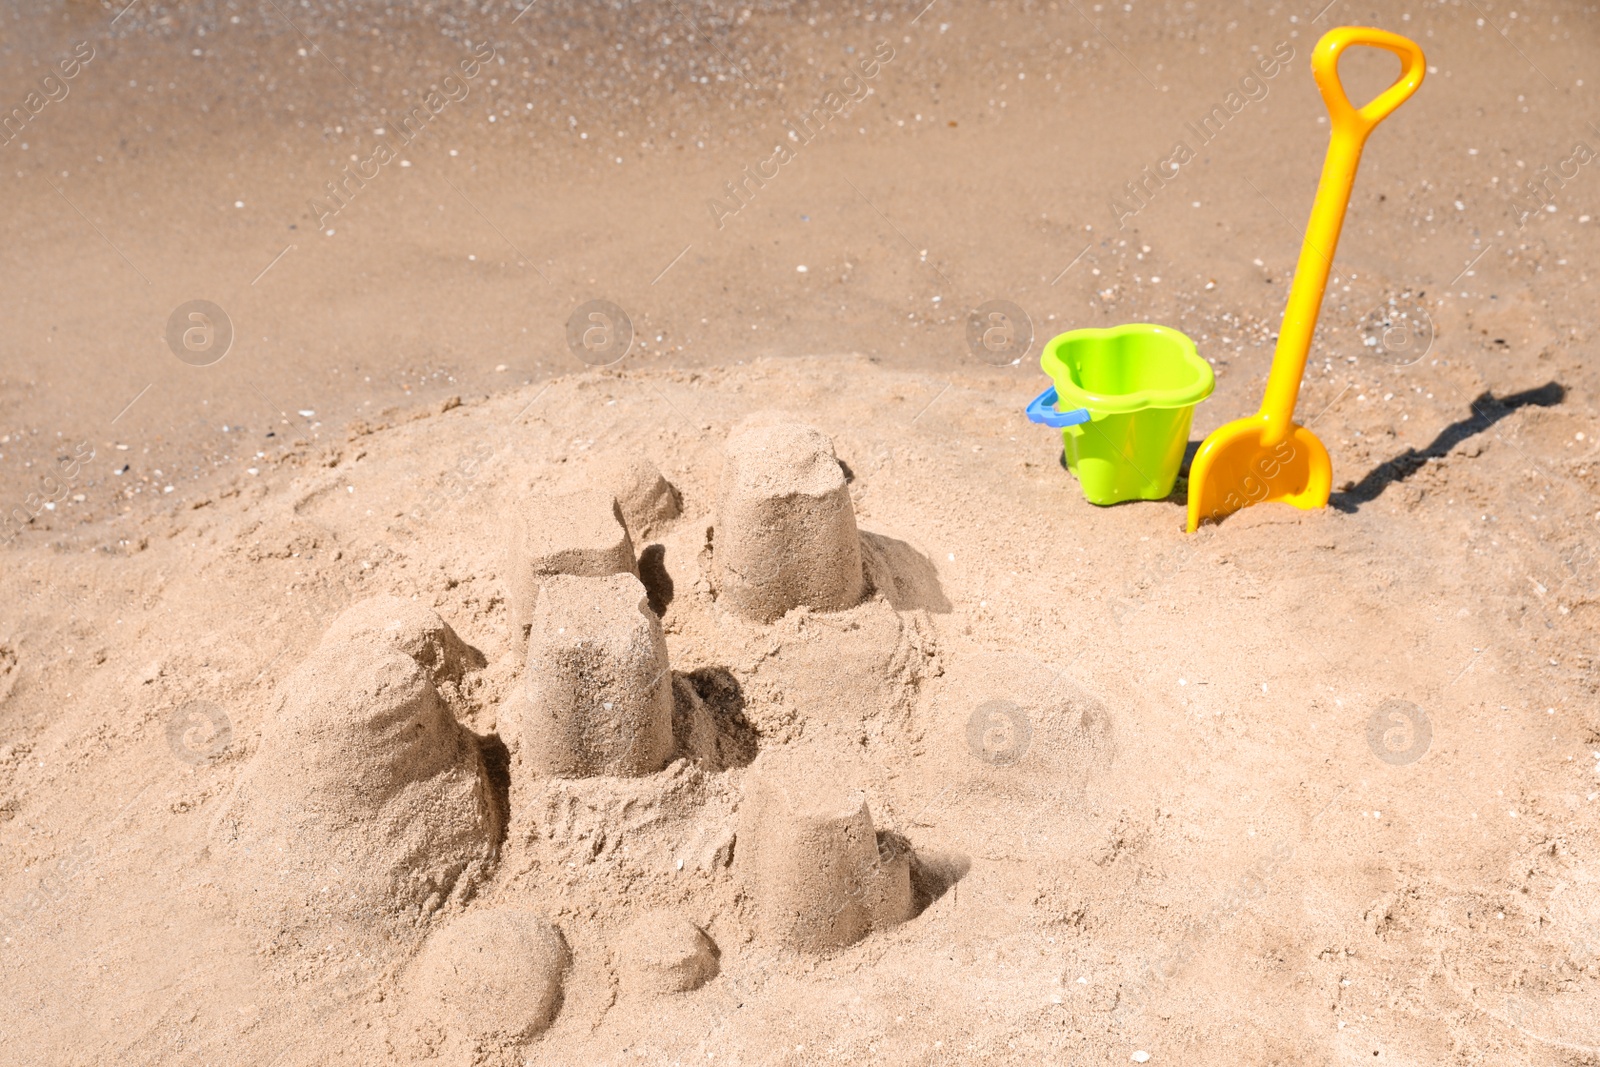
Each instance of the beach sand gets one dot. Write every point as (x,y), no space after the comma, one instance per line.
(297,626)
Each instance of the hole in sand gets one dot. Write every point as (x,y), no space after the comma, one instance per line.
(497,770)
(657,582)
(932,873)
(736,739)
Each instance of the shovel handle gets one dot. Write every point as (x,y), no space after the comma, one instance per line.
(1350,127)
(1325,68)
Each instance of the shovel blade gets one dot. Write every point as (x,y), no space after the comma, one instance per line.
(1235,468)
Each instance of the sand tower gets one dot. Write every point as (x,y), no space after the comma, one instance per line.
(596,697)
(580,532)
(785,528)
(821,875)
(367,803)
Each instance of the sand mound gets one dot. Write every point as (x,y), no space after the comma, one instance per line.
(785,528)
(596,697)
(647,500)
(408,627)
(367,801)
(663,952)
(1139,768)
(491,978)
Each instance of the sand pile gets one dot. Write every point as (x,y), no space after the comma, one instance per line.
(663,952)
(1042,786)
(367,802)
(490,979)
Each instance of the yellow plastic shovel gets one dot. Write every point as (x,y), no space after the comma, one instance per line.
(1268,456)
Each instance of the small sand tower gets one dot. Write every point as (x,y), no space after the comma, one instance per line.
(785,528)
(596,697)
(821,875)
(581,532)
(648,501)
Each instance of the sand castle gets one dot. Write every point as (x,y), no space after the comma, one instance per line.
(368,803)
(596,696)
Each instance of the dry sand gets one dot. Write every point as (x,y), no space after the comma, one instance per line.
(1161,764)
(970,771)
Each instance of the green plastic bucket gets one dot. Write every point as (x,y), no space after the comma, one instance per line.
(1124,399)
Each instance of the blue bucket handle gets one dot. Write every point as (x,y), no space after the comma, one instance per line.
(1042,410)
